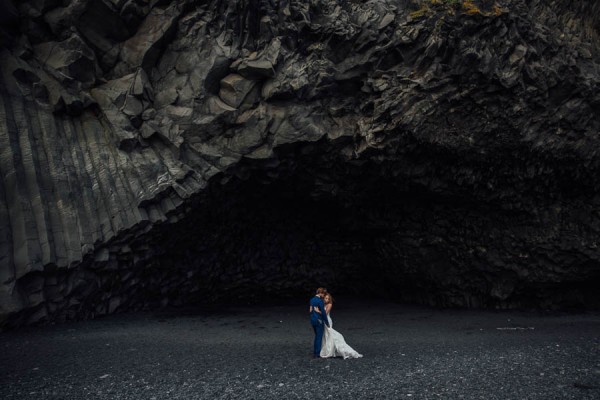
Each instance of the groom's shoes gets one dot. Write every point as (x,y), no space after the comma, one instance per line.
(315,357)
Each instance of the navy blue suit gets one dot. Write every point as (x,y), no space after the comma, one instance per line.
(317,320)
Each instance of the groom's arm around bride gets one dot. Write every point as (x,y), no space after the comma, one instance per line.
(322,312)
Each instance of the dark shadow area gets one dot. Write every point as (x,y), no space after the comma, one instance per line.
(385,229)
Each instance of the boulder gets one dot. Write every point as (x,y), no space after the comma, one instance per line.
(71,59)
(144,48)
(234,89)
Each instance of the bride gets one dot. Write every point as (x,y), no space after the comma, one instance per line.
(334,344)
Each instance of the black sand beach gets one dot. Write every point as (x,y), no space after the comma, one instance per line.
(263,352)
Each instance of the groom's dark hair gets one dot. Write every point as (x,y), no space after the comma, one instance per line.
(321,290)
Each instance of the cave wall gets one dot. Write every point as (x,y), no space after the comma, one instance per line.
(451,148)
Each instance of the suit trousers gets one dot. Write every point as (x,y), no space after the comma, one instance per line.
(318,327)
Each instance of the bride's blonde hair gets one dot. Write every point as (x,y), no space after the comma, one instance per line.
(327,294)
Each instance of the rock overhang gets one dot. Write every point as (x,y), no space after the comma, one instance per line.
(483,121)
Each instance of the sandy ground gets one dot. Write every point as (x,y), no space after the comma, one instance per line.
(264,352)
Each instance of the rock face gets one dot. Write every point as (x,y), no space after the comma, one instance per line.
(162,152)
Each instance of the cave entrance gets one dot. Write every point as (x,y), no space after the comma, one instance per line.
(282,228)
(393,227)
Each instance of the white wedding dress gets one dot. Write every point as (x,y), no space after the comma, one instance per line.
(334,344)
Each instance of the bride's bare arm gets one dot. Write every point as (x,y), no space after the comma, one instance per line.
(328,308)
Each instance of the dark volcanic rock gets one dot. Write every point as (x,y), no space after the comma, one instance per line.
(164,152)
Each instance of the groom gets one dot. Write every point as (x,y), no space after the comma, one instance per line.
(318,319)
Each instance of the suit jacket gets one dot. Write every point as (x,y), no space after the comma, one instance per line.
(316,318)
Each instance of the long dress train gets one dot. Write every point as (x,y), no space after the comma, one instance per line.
(334,344)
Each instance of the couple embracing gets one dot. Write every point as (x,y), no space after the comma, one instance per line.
(328,341)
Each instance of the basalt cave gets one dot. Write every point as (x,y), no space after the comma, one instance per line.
(168,152)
